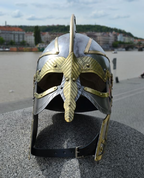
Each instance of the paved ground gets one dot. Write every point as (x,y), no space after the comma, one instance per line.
(128,106)
(128,103)
(124,152)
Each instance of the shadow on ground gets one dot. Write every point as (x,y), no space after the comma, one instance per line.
(123,155)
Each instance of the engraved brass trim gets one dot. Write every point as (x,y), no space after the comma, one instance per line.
(71,67)
(102,138)
(87,51)
(86,65)
(56,51)
(71,71)
(50,90)
(95,92)
(98,53)
(88,46)
(93,67)
(56,45)
(52,65)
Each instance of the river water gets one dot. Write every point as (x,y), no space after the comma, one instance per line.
(18,68)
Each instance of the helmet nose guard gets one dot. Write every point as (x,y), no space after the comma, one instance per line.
(71,73)
(79,73)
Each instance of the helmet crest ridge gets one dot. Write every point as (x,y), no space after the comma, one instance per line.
(72,32)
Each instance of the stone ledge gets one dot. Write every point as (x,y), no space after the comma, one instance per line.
(123,157)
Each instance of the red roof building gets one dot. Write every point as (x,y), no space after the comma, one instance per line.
(9,28)
(9,33)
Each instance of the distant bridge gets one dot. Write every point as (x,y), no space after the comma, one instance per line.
(131,46)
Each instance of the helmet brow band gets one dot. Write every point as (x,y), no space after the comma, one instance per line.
(95,92)
(56,51)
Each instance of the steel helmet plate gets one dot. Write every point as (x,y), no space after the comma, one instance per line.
(73,75)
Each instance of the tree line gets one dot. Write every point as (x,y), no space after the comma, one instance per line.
(80,28)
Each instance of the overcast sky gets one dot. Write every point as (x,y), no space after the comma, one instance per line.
(127,15)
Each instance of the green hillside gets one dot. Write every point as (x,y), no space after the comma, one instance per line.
(80,28)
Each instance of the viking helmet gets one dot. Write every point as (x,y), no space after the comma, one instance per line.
(73,75)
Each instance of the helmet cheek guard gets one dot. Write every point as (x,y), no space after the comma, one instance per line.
(73,75)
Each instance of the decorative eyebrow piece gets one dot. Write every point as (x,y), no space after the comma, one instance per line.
(52,65)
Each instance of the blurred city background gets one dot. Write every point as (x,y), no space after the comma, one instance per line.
(36,38)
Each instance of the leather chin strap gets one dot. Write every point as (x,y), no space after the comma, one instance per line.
(95,147)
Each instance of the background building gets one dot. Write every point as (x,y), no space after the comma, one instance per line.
(29,38)
(104,39)
(45,37)
(9,33)
(120,37)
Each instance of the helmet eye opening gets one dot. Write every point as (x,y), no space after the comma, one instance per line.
(48,81)
(93,81)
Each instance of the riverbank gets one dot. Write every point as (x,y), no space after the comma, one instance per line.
(37,49)
(20,49)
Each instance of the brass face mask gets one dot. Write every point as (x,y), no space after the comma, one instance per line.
(73,75)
